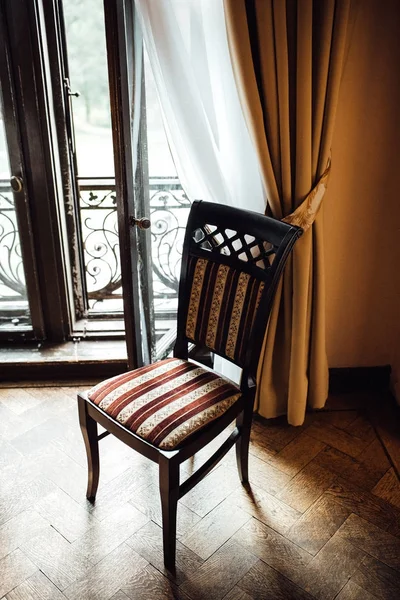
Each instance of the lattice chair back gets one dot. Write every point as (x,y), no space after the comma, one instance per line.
(231,264)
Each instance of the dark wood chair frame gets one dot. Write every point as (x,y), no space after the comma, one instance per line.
(205,237)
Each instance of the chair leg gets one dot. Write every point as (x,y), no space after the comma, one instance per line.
(243,422)
(169,491)
(90,437)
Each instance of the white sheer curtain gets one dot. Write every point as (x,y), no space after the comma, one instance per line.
(188,51)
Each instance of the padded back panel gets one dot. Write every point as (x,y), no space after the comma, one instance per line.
(222,307)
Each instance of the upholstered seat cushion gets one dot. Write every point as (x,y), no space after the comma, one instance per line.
(166,402)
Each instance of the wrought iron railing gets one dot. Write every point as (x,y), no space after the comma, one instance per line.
(12,280)
(98,217)
(169,209)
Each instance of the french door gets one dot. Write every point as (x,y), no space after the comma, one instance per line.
(82,137)
(107,77)
(32,298)
(18,281)
(147,188)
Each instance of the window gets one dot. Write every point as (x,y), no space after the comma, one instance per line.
(78,290)
(161,194)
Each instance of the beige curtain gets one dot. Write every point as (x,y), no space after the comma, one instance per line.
(288,57)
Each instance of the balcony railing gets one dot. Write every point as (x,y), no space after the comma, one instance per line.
(12,280)
(169,210)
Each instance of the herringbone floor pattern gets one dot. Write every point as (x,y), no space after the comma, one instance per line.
(321,519)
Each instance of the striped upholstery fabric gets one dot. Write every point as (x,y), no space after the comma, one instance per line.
(222,307)
(164,403)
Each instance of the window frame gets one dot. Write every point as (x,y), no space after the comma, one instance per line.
(48,300)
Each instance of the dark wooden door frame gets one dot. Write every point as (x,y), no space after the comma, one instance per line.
(17,168)
(23,21)
(59,70)
(119,47)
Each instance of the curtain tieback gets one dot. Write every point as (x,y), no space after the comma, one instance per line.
(305,214)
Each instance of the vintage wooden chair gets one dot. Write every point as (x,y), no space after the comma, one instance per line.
(167,411)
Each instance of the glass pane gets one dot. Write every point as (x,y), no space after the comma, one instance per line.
(87,61)
(14,308)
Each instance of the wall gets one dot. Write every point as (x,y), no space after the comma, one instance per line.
(362,205)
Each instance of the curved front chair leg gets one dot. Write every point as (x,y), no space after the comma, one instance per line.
(169,492)
(243,423)
(90,437)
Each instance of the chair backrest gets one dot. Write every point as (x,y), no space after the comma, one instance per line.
(231,263)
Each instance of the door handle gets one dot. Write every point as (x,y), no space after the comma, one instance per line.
(16,183)
(142,223)
(69,121)
(68,89)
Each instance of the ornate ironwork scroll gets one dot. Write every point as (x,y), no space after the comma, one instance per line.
(169,210)
(12,278)
(100,242)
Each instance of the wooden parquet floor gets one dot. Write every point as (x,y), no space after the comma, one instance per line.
(321,520)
